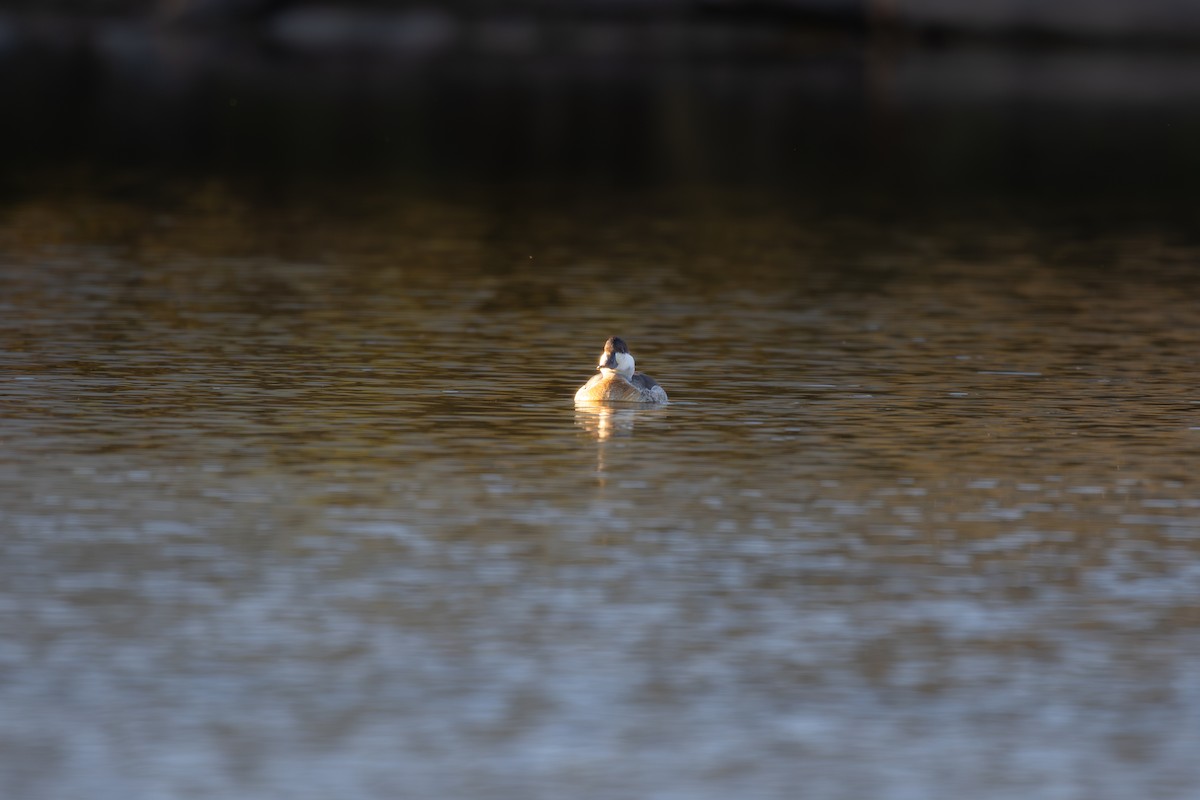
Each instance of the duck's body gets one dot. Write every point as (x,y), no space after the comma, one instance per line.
(617,382)
(612,387)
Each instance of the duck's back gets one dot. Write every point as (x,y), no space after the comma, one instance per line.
(612,389)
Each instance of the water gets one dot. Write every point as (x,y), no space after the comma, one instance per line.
(295,501)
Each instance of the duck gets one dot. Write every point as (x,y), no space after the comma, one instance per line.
(617,382)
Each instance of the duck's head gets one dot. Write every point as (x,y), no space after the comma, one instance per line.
(616,357)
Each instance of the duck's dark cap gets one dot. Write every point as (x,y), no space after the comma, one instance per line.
(616,344)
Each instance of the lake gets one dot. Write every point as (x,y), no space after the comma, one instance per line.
(295,502)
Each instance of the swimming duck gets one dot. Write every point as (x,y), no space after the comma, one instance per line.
(617,382)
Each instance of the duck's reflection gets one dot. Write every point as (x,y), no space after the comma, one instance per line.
(605,422)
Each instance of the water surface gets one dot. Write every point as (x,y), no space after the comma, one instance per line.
(295,501)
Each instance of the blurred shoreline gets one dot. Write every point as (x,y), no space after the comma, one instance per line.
(825,100)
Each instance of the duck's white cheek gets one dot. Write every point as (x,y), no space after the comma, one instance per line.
(625,363)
